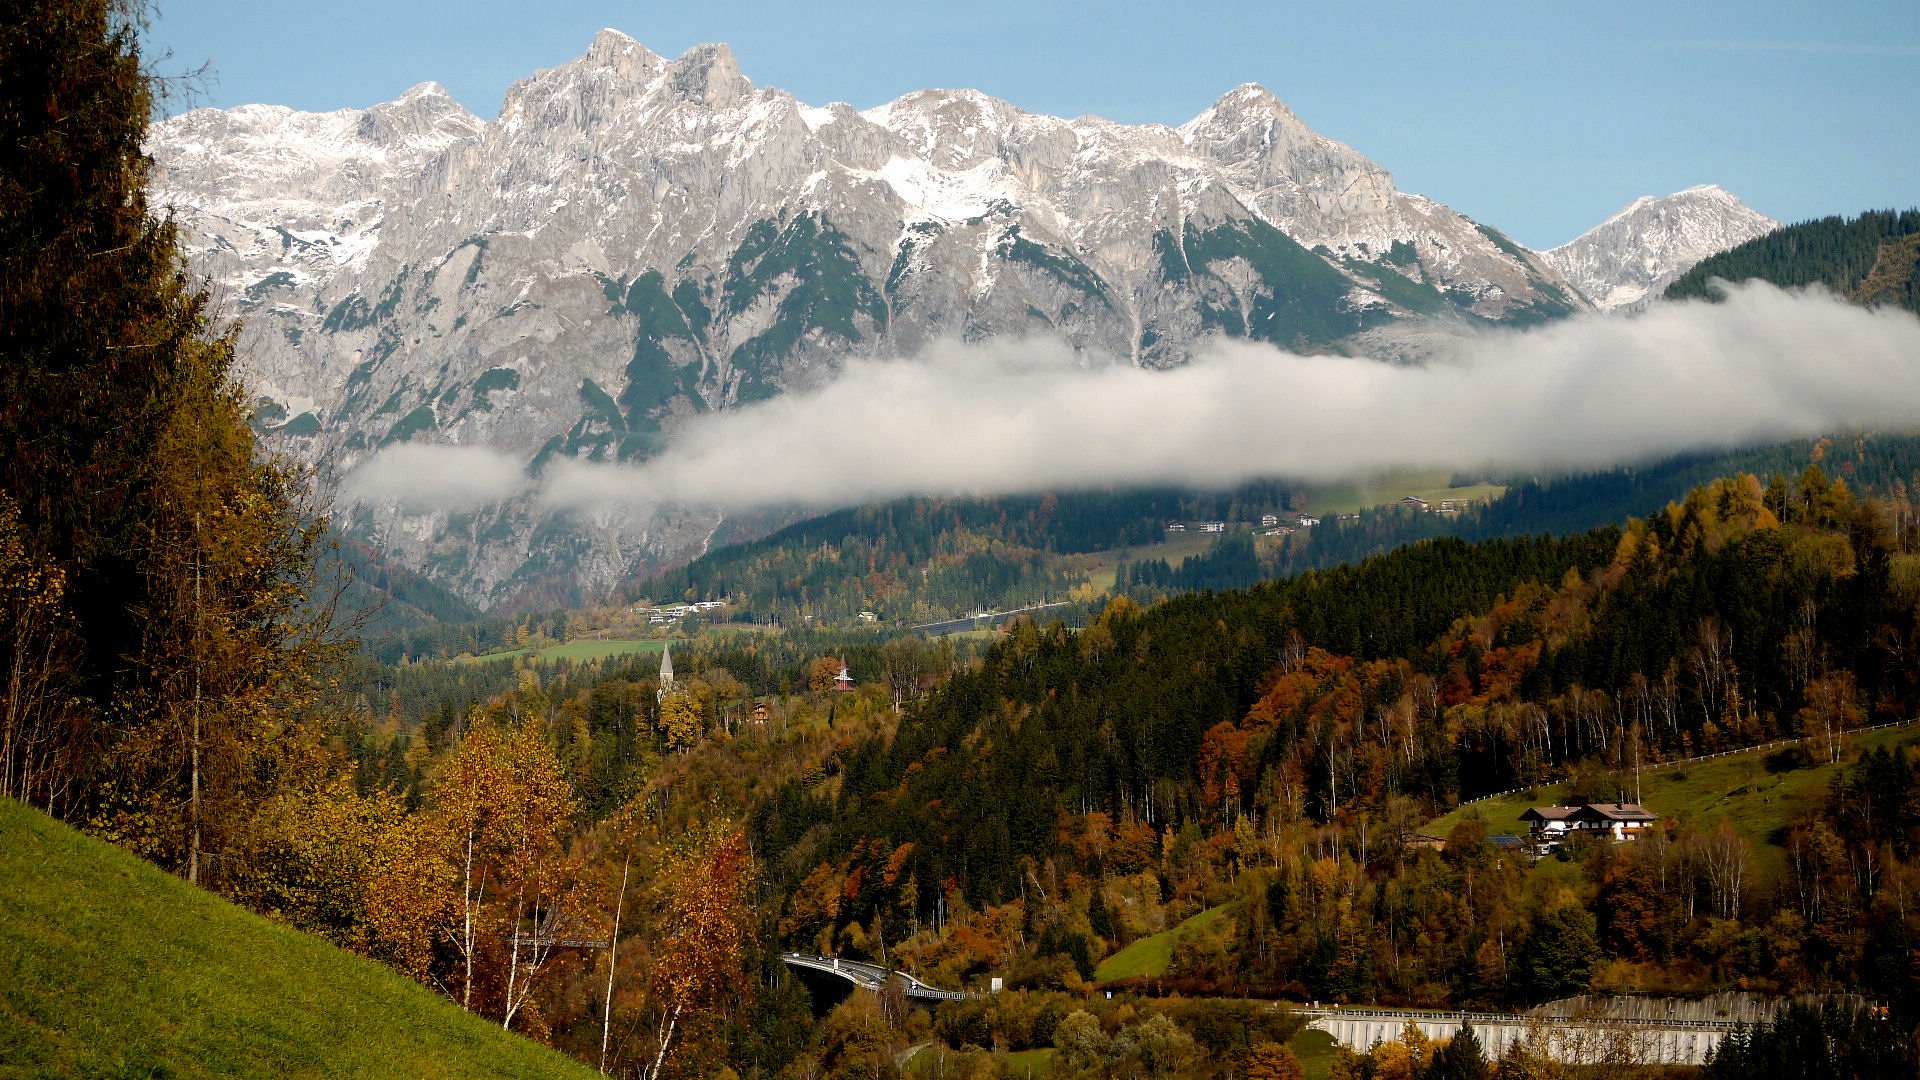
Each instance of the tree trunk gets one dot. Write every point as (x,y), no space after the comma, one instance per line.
(613,960)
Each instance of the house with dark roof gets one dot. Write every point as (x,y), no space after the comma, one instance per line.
(1618,821)
(1623,820)
(1549,823)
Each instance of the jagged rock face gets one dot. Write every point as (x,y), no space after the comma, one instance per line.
(635,240)
(1630,258)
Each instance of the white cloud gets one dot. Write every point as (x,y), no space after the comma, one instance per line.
(1589,392)
(420,476)
(1583,393)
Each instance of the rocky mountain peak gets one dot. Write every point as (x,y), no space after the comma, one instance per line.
(635,240)
(1307,183)
(953,129)
(709,75)
(1632,256)
(425,116)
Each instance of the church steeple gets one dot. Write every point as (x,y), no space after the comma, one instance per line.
(667,683)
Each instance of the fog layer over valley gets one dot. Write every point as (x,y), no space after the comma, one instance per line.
(1588,392)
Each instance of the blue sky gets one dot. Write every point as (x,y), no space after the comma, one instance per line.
(1541,118)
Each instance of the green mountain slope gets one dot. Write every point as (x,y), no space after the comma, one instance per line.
(115,968)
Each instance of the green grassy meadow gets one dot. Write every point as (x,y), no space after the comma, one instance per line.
(1150,956)
(1099,566)
(579,651)
(1024,1063)
(110,967)
(1738,787)
(1315,1049)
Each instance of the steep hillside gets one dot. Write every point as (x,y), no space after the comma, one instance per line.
(114,968)
(1871,258)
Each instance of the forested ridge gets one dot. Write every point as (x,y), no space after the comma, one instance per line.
(1870,259)
(919,560)
(1272,748)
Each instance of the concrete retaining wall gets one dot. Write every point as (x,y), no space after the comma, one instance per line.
(1571,1041)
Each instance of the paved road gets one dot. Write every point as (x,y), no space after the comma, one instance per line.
(985,620)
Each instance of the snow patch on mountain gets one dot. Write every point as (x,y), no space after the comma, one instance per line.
(1630,258)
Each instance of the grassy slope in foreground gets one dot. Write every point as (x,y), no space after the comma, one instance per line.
(1738,787)
(116,968)
(1150,956)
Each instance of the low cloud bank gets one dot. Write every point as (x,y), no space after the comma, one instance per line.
(1585,393)
(424,477)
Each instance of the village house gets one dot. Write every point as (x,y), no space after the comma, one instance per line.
(1308,522)
(1175,526)
(1415,502)
(1213,526)
(1268,521)
(1551,825)
(671,613)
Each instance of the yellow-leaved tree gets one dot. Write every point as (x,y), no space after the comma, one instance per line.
(501,804)
(680,723)
(707,922)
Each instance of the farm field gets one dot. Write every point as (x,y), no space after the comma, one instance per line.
(580,651)
(1428,485)
(1099,566)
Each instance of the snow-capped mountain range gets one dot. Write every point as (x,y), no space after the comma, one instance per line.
(634,240)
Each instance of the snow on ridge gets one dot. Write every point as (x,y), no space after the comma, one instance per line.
(946,194)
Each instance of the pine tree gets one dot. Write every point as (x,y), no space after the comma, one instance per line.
(1460,1059)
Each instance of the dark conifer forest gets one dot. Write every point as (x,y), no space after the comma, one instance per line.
(1870,259)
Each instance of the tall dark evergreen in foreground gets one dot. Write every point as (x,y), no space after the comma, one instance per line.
(154,622)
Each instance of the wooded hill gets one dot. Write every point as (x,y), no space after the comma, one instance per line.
(1870,259)
(1271,748)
